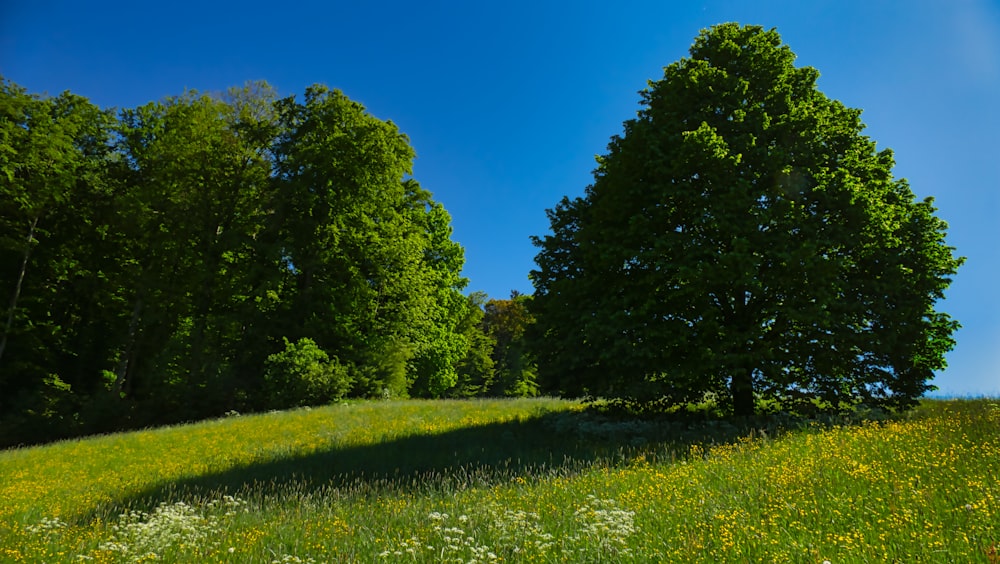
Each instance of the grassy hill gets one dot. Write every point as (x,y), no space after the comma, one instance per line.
(539,480)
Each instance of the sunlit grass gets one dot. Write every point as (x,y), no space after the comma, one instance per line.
(510,480)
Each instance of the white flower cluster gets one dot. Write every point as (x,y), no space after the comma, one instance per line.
(291,559)
(601,428)
(457,545)
(604,525)
(601,527)
(46,526)
(453,543)
(228,503)
(522,531)
(406,547)
(169,528)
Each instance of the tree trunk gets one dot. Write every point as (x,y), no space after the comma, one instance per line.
(122,379)
(17,287)
(741,387)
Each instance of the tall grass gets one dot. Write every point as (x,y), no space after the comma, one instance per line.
(511,480)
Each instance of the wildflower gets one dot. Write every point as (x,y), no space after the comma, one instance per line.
(46,525)
(170,528)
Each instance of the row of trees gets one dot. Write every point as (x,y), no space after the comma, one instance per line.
(238,251)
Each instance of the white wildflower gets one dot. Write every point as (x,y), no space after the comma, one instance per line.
(46,526)
(168,531)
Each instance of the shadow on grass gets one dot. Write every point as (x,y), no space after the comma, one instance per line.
(551,444)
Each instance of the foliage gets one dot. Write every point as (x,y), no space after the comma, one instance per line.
(384,373)
(743,238)
(303,374)
(177,245)
(53,193)
(476,370)
(426,481)
(507,322)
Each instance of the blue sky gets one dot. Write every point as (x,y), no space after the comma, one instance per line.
(507,103)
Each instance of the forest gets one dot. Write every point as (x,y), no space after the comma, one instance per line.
(236,251)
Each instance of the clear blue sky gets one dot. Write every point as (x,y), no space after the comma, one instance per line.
(506,103)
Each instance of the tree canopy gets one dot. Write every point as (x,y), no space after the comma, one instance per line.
(743,240)
(205,253)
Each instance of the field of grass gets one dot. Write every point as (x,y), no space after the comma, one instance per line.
(539,480)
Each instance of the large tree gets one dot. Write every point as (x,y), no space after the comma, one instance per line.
(193,206)
(742,237)
(372,273)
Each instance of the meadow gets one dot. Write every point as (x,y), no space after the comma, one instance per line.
(527,480)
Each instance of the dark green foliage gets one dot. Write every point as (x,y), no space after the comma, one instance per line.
(476,370)
(194,196)
(47,409)
(153,265)
(54,194)
(742,237)
(507,323)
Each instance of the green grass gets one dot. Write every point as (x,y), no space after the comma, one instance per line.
(537,480)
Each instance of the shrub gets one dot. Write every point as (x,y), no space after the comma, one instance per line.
(303,374)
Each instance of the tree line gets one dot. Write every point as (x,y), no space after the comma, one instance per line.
(236,251)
